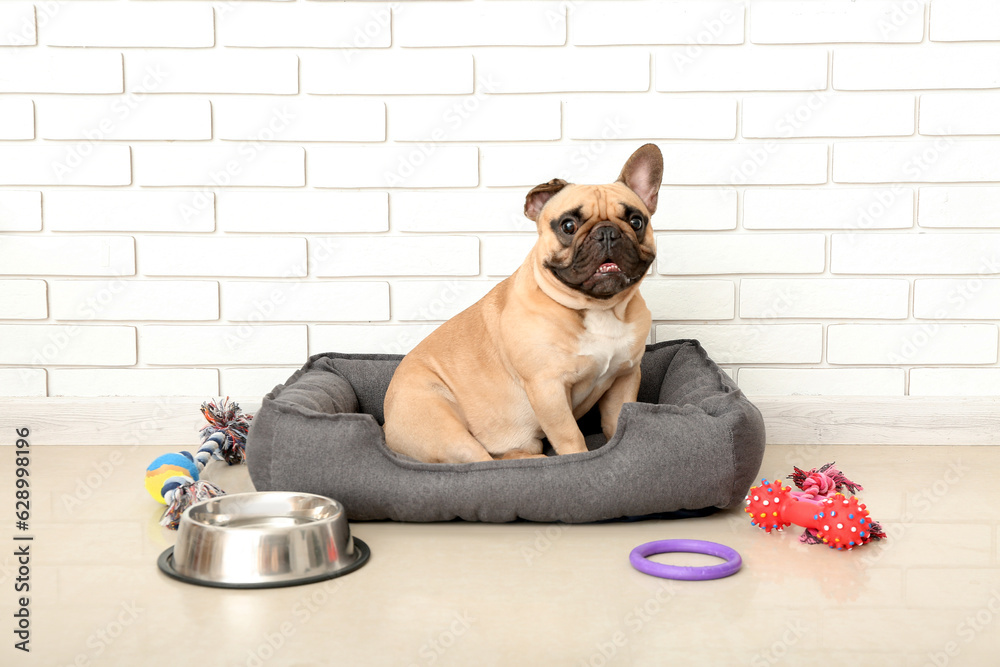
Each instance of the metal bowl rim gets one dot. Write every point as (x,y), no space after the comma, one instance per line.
(200,525)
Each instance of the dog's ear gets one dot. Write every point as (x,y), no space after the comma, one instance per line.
(540,194)
(643,173)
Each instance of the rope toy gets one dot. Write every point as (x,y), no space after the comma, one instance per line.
(828,516)
(173,479)
(822,482)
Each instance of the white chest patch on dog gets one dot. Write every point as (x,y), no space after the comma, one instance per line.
(607,341)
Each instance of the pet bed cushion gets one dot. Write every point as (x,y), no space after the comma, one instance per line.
(692,441)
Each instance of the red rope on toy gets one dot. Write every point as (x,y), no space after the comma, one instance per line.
(823,482)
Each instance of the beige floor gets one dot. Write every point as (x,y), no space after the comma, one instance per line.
(524,594)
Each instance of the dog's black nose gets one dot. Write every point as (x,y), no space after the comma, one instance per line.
(606,235)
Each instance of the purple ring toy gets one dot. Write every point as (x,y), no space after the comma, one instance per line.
(639,561)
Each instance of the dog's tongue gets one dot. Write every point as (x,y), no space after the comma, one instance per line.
(608,267)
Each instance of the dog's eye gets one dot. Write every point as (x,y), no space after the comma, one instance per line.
(636,223)
(568,226)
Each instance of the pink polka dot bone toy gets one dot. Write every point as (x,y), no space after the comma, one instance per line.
(827,515)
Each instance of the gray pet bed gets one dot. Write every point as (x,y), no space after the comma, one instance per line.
(692,441)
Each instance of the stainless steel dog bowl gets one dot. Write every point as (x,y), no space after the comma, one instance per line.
(263,540)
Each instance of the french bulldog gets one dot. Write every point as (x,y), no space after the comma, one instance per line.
(566,331)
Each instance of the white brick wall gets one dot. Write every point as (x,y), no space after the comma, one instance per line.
(922,67)
(71,345)
(17,24)
(127,211)
(484,24)
(682,22)
(750,164)
(916,253)
(60,71)
(245,118)
(696,209)
(435,300)
(955,382)
(253,381)
(701,254)
(134,300)
(39,255)
(752,344)
(401,165)
(353,301)
(827,208)
(965,20)
(393,256)
(184,345)
(84,23)
(244,164)
(221,256)
(17,119)
(195,196)
(528,165)
(306,24)
(822,381)
(54,164)
(538,70)
(943,160)
(625,117)
(104,119)
(960,113)
(133,382)
(459,211)
(723,68)
(819,21)
(690,299)
(390,72)
(496,118)
(20,211)
(956,299)
(928,343)
(23,300)
(503,254)
(842,298)
(959,207)
(230,71)
(827,115)
(354,338)
(298,211)
(23,381)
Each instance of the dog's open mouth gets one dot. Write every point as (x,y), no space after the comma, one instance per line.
(603,282)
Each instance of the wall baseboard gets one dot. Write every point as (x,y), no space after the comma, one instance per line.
(881,420)
(796,420)
(114,421)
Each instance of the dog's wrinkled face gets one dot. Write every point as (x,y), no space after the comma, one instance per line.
(596,239)
(603,241)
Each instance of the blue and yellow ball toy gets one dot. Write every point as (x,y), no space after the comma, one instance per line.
(166,467)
